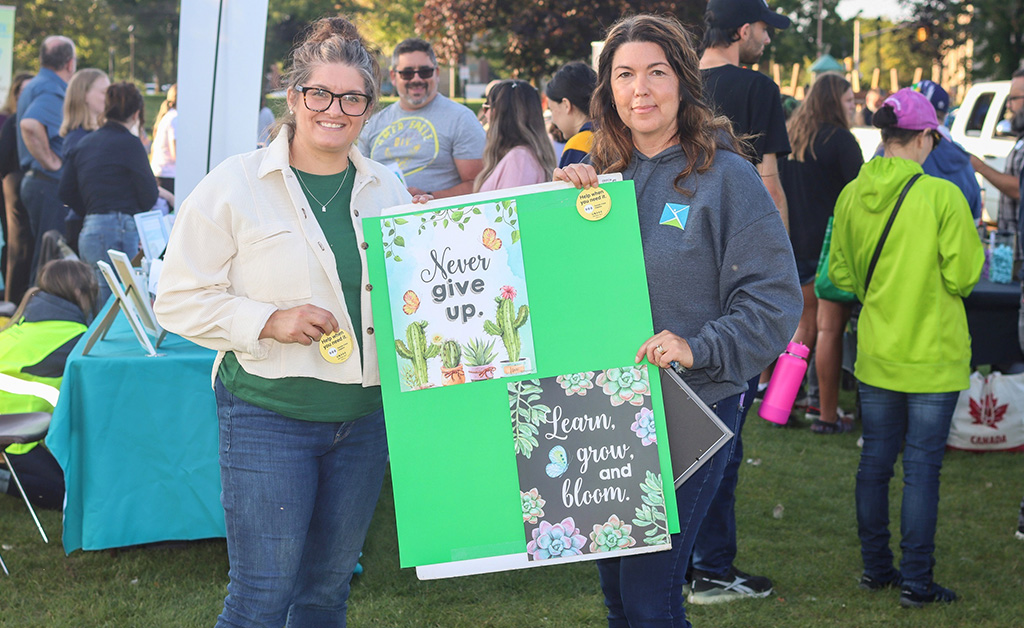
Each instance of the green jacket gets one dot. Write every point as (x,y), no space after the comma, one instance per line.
(912,333)
(35,349)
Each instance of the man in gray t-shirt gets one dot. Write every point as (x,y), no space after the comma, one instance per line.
(436,143)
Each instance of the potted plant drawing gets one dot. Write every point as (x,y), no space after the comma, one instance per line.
(418,351)
(478,356)
(506,326)
(451,364)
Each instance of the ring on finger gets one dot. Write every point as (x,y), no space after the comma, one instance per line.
(660,349)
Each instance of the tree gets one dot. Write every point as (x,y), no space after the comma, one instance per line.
(997,27)
(534,38)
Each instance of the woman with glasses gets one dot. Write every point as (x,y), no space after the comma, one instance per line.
(518,150)
(913,346)
(267,265)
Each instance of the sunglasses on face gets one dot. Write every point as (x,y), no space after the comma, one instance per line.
(425,72)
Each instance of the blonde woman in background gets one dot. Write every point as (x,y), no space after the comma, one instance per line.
(164,153)
(518,150)
(83,106)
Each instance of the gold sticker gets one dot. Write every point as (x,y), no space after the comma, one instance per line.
(593,203)
(336,347)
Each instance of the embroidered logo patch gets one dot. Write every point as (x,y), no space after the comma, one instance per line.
(675,215)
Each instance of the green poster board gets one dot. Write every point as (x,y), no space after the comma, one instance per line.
(453,463)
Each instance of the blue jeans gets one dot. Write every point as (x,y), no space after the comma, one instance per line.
(890,419)
(102,232)
(646,591)
(714,549)
(298,497)
(45,211)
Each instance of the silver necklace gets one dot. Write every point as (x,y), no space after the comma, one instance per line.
(323,206)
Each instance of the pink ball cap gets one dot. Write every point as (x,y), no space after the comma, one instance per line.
(913,110)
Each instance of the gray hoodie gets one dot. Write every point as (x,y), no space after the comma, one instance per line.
(726,281)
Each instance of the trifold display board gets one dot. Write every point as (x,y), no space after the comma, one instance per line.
(520,430)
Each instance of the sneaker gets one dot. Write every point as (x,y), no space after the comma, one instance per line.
(710,589)
(813,413)
(870,583)
(1020,523)
(911,599)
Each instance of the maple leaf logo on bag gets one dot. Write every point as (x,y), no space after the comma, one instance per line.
(989,412)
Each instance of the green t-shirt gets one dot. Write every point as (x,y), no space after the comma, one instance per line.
(308,398)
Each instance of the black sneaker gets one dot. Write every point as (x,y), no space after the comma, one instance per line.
(710,589)
(936,593)
(1020,523)
(870,583)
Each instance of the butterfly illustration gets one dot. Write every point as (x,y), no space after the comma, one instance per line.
(491,239)
(412,302)
(559,462)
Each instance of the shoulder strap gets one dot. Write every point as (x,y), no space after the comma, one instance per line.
(885,232)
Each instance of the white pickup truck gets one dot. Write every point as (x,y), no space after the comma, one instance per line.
(981,125)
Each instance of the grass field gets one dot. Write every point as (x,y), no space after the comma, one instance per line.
(811,553)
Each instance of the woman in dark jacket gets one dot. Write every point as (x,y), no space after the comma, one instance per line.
(107,180)
(825,158)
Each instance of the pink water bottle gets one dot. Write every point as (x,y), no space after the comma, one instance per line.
(785,382)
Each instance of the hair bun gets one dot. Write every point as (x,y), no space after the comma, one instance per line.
(327,27)
(884,118)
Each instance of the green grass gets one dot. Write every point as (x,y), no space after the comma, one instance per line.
(811,553)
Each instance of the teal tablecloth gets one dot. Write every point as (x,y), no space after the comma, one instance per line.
(137,439)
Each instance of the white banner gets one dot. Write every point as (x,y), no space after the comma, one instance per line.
(220,68)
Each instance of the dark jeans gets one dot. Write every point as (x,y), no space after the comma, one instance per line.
(646,591)
(919,422)
(45,210)
(715,547)
(298,497)
(41,477)
(20,241)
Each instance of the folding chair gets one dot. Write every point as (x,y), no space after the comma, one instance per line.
(24,427)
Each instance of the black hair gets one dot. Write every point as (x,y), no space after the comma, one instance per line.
(413,45)
(55,53)
(1018,73)
(575,81)
(885,119)
(715,36)
(123,100)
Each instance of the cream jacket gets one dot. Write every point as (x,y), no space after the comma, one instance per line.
(245,243)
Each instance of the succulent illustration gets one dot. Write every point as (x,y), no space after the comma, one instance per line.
(533,506)
(451,354)
(576,383)
(625,384)
(557,540)
(651,514)
(507,322)
(611,535)
(478,352)
(643,427)
(417,351)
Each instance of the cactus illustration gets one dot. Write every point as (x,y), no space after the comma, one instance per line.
(479,353)
(451,354)
(507,323)
(418,351)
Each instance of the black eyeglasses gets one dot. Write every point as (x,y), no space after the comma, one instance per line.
(425,72)
(936,137)
(318,99)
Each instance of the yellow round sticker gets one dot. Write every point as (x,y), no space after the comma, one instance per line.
(593,203)
(336,347)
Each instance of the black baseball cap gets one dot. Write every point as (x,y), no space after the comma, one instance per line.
(735,13)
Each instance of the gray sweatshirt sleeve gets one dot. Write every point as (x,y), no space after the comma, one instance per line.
(759,284)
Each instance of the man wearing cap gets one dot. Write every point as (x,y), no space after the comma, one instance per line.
(1006,181)
(437,144)
(737,31)
(949,160)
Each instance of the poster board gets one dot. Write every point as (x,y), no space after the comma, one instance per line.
(126,306)
(136,290)
(453,461)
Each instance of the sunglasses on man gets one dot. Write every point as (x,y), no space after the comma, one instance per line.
(424,71)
